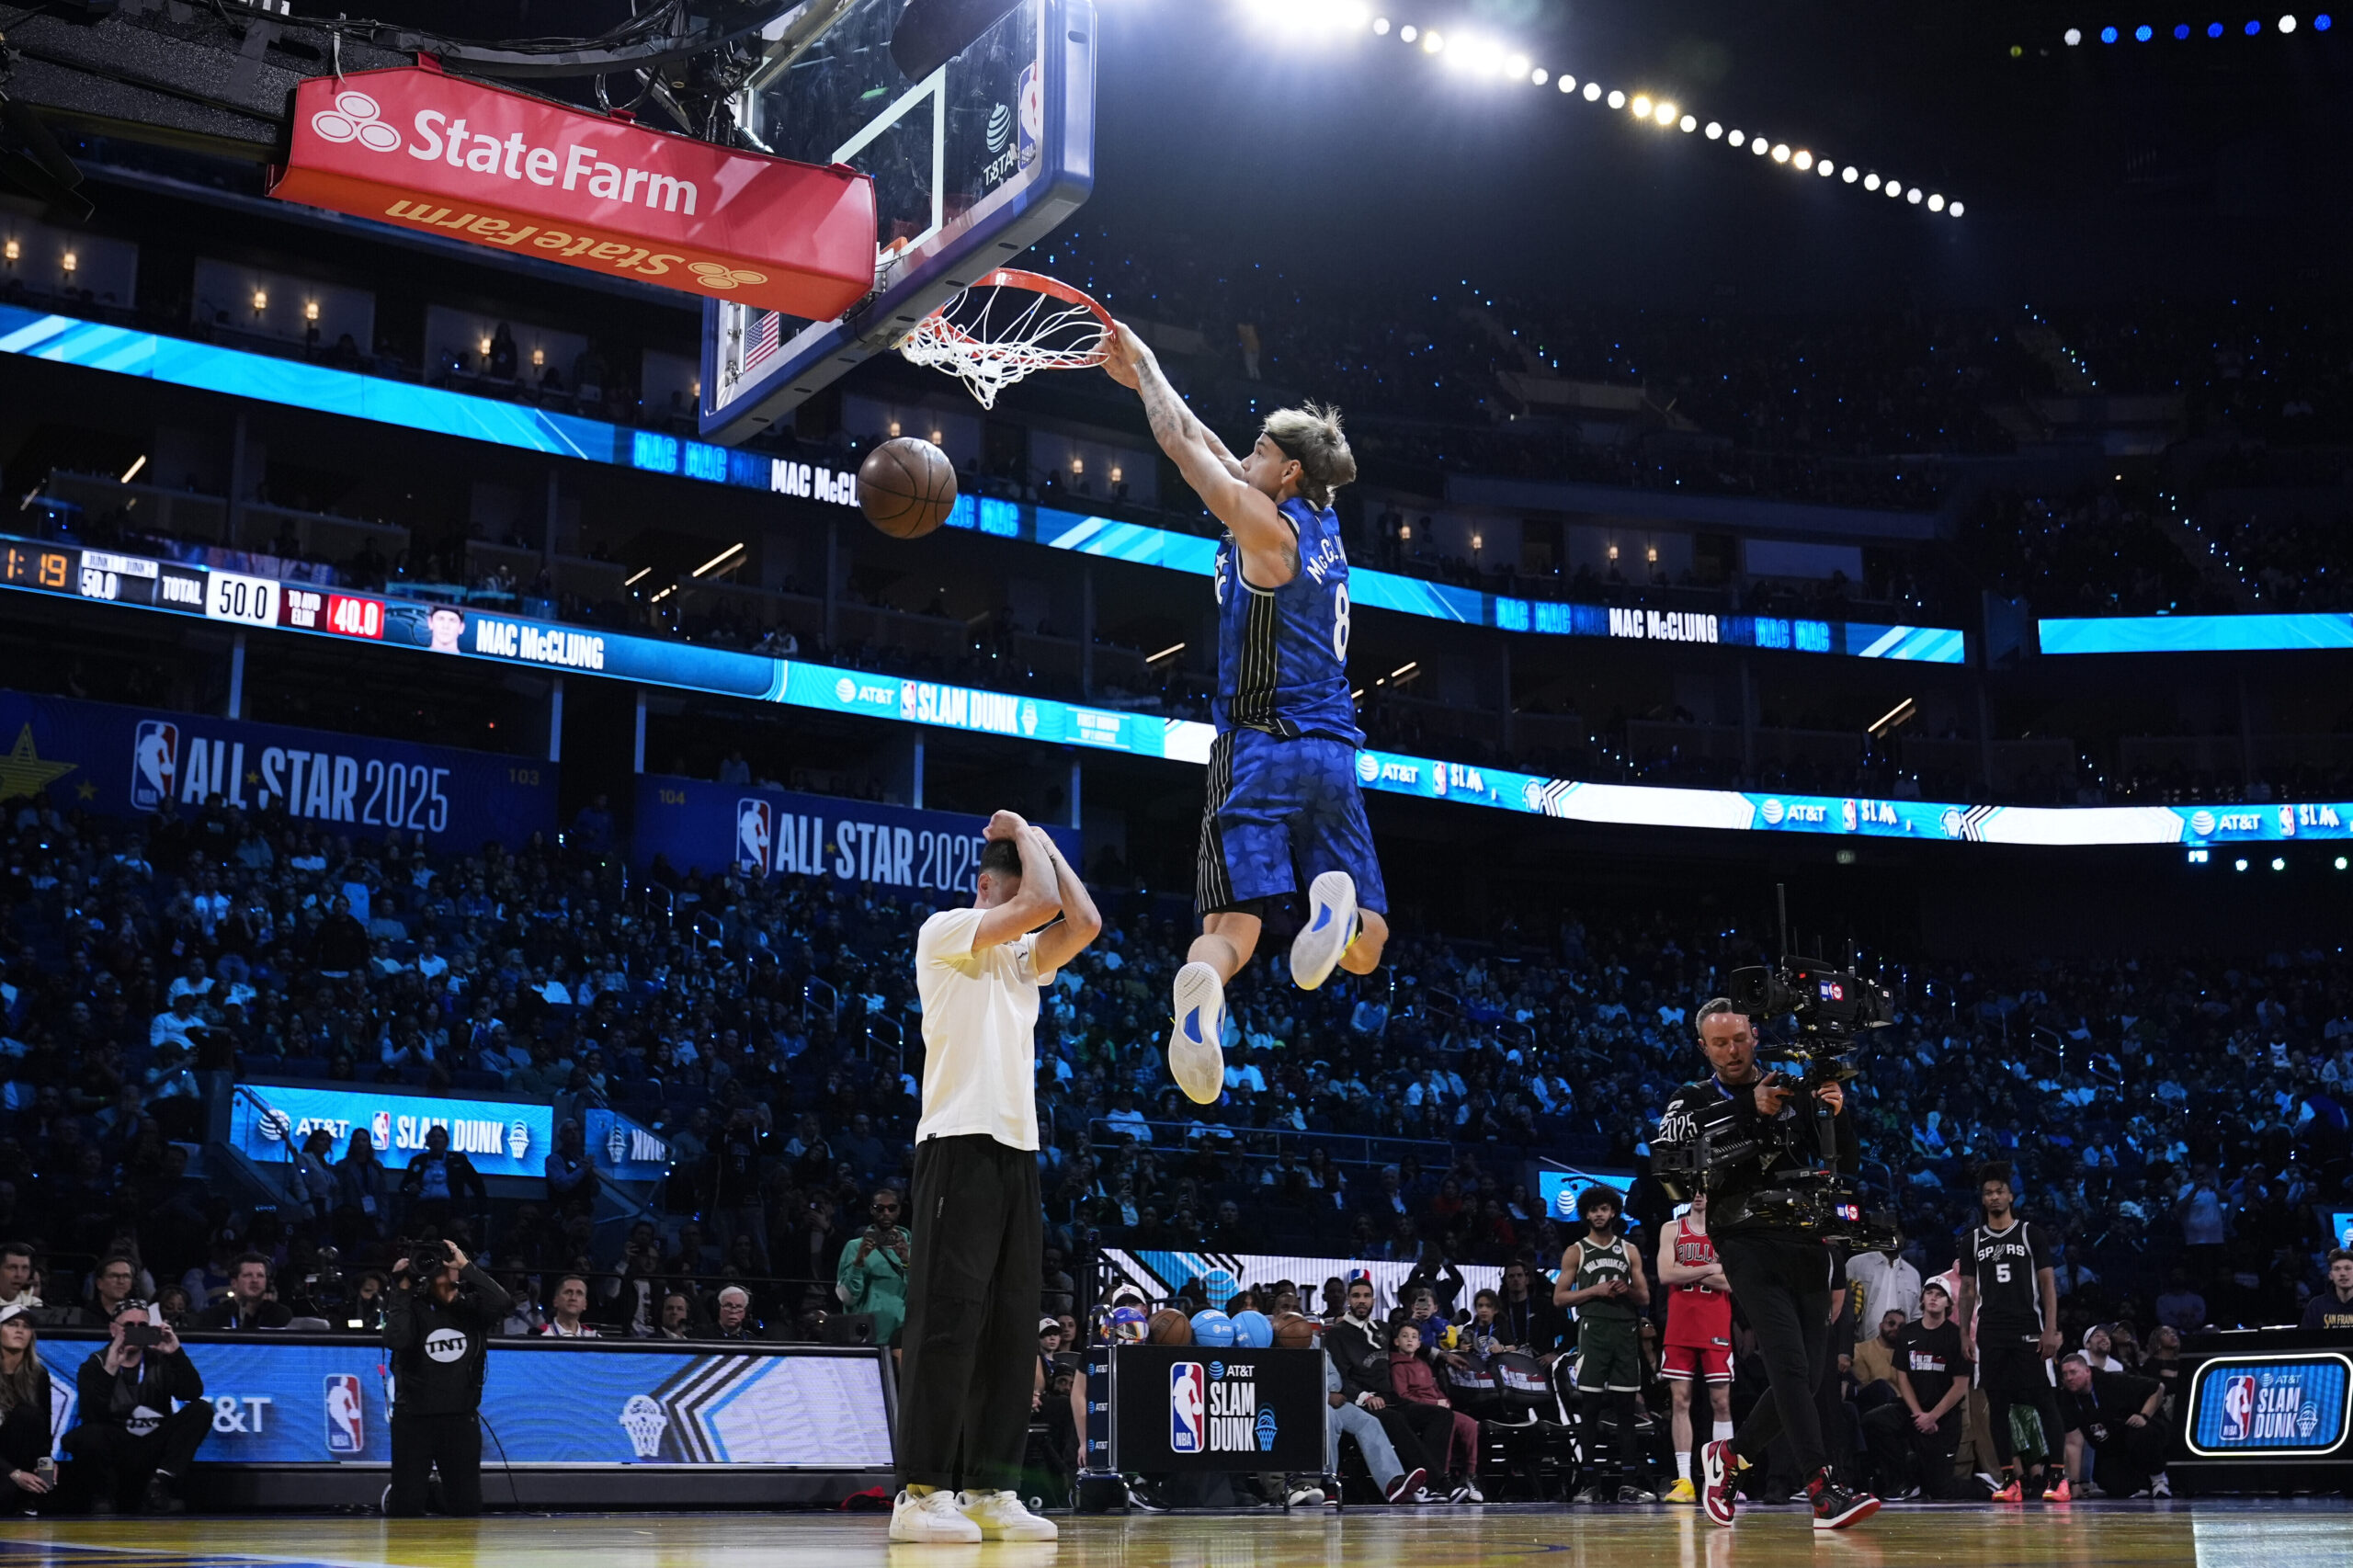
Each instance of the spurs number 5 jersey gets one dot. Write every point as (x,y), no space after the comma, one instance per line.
(2010,1298)
(1282,654)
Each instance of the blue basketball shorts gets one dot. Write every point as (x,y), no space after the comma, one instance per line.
(1279,814)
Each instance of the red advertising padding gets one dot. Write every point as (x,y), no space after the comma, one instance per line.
(436,153)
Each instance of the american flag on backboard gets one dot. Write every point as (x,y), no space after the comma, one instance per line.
(763,335)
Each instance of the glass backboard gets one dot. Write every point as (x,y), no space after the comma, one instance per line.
(971,165)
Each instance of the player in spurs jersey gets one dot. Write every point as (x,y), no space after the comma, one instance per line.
(1698,1347)
(1283,810)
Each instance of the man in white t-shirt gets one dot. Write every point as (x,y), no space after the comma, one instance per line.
(977,1216)
(1888,1284)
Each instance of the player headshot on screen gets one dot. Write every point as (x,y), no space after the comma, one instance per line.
(447,624)
(1283,813)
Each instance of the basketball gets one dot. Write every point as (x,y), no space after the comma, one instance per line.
(1170,1327)
(1294,1332)
(905,487)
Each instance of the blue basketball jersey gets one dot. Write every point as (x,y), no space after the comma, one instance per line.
(1282,654)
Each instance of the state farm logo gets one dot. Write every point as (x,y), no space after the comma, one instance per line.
(718,274)
(356,118)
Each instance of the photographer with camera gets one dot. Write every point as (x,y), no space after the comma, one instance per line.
(1742,1136)
(438,1331)
(132,1443)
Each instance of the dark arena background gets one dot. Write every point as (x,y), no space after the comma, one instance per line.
(1853,510)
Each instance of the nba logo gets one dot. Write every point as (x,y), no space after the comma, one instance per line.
(1030,99)
(754,832)
(1187,1408)
(154,763)
(383,1129)
(347,1418)
(1846,815)
(2238,1409)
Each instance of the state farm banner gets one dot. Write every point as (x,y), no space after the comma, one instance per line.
(416,147)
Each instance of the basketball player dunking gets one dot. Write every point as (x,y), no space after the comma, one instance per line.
(1283,805)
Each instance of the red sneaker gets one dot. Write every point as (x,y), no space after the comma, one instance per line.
(2058,1493)
(1834,1507)
(2010,1494)
(1718,1468)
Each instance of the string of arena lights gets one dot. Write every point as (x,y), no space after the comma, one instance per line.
(1485,57)
(2183,31)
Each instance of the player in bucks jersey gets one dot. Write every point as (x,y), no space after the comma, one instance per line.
(1601,1276)
(1283,810)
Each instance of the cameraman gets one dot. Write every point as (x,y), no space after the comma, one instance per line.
(440,1337)
(1781,1276)
(131,1440)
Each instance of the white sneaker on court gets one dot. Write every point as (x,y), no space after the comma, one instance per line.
(1002,1516)
(1331,926)
(1197,1040)
(933,1517)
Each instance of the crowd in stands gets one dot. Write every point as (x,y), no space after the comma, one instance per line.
(2182,1120)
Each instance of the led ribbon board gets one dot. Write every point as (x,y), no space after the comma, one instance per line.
(464,632)
(2196,633)
(69,340)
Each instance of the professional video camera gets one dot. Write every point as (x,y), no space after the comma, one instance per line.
(1829,1005)
(427,1258)
(1803,1189)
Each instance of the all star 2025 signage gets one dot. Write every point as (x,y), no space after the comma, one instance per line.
(418,148)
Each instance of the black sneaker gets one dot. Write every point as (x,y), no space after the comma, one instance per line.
(1596,1495)
(1632,1494)
(1407,1487)
(1835,1508)
(1140,1497)
(159,1499)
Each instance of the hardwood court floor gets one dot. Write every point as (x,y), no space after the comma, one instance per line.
(2215,1534)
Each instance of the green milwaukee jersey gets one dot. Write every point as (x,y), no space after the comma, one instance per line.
(1599,1265)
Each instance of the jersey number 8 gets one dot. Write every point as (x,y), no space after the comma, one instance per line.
(1340,621)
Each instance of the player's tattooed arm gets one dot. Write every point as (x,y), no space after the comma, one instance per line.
(1177,429)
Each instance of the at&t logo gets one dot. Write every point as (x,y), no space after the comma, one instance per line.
(1368,767)
(356,118)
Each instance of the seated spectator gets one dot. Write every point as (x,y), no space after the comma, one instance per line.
(524,1314)
(133,1447)
(2179,1307)
(1457,1435)
(677,1317)
(2333,1308)
(1874,1361)
(16,1276)
(2116,1416)
(247,1305)
(734,1319)
(115,1281)
(1349,1419)
(568,1310)
(25,1413)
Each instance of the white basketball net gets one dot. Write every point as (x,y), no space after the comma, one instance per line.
(992,335)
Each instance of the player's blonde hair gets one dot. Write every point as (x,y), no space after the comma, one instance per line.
(1311,437)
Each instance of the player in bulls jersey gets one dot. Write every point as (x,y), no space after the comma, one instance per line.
(1283,810)
(2010,1325)
(1698,1334)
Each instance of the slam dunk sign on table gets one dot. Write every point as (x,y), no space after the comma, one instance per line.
(423,150)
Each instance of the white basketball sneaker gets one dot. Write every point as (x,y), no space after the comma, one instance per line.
(1197,1040)
(1002,1516)
(1331,926)
(933,1517)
